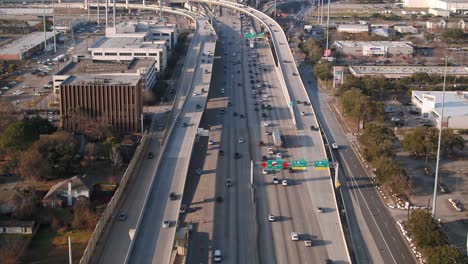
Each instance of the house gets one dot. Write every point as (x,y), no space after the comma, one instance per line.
(17,227)
(446,23)
(65,193)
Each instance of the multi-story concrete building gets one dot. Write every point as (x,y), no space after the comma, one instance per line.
(455,6)
(128,48)
(353,28)
(113,99)
(455,107)
(370,48)
(144,67)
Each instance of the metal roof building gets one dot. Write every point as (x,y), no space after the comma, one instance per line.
(396,72)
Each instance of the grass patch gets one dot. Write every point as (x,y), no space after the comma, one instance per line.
(51,247)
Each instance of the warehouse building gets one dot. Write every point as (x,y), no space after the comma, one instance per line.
(455,107)
(353,28)
(129,48)
(455,6)
(374,48)
(113,99)
(397,72)
(25,46)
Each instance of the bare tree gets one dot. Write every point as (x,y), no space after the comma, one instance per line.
(116,158)
(90,153)
(26,201)
(9,247)
(32,165)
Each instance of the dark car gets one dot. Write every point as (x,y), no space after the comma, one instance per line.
(237,155)
(183,209)
(291,170)
(150,155)
(264,158)
(122,216)
(241,116)
(184,124)
(198,106)
(256,109)
(443,188)
(172,196)
(264,115)
(269,107)
(221,152)
(234,114)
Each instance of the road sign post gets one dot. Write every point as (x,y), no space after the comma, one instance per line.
(321,164)
(299,164)
(274,164)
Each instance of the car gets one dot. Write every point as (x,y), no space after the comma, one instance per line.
(269,107)
(256,109)
(5,88)
(264,171)
(443,188)
(183,209)
(211,142)
(184,124)
(241,116)
(222,111)
(241,140)
(222,90)
(279,155)
(291,170)
(234,114)
(167,110)
(271,218)
(229,103)
(165,224)
(228,183)
(266,124)
(199,171)
(172,196)
(237,155)
(271,151)
(284,182)
(294,74)
(195,94)
(150,155)
(268,133)
(294,236)
(275,180)
(122,216)
(334,145)
(221,152)
(308,243)
(303,114)
(319,209)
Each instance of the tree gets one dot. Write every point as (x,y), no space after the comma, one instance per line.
(18,136)
(93,128)
(32,165)
(312,49)
(323,71)
(424,229)
(377,142)
(116,158)
(453,35)
(83,216)
(443,255)
(423,141)
(26,203)
(11,68)
(61,152)
(90,153)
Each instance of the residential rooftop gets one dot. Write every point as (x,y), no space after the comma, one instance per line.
(405,71)
(456,103)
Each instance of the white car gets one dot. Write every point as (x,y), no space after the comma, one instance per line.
(302,113)
(266,95)
(211,142)
(266,124)
(308,243)
(222,90)
(264,171)
(279,155)
(284,182)
(334,146)
(271,218)
(5,88)
(195,94)
(271,151)
(294,236)
(241,140)
(165,224)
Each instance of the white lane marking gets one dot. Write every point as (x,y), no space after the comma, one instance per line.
(367,205)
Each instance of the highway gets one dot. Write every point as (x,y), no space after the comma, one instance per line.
(153,242)
(294,205)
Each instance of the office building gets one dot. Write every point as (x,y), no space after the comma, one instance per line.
(113,99)
(148,30)
(455,107)
(25,46)
(397,72)
(129,48)
(455,6)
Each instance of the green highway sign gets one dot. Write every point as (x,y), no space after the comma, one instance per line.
(320,164)
(291,103)
(248,35)
(299,163)
(260,35)
(275,164)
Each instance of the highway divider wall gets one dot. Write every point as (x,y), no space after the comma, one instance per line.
(108,212)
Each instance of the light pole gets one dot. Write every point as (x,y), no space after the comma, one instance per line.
(434,200)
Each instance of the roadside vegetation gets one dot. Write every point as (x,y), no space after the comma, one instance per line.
(430,239)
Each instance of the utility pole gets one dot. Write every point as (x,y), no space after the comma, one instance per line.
(44,22)
(98,15)
(441,119)
(107,13)
(53,24)
(328,23)
(70,260)
(113,13)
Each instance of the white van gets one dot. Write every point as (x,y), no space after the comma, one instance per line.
(217,255)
